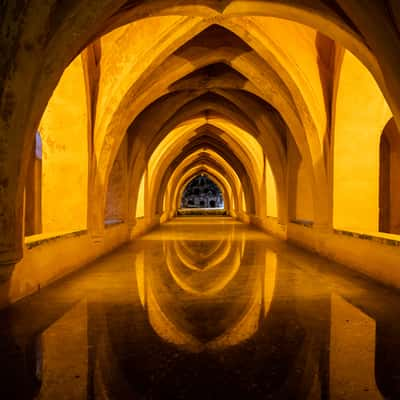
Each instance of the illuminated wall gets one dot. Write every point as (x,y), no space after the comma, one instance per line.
(361,114)
(301,202)
(216,88)
(271,194)
(140,200)
(116,206)
(65,162)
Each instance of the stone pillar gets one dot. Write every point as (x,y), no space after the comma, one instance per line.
(96,208)
(11,207)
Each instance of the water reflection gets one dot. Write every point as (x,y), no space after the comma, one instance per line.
(62,356)
(203,312)
(207,295)
(352,356)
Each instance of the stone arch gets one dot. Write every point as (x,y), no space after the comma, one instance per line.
(223,148)
(60,47)
(230,195)
(193,163)
(316,164)
(219,162)
(389,179)
(214,180)
(148,125)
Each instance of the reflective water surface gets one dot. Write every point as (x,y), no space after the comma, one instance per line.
(204,308)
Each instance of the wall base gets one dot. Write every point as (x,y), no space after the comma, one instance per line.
(47,259)
(370,255)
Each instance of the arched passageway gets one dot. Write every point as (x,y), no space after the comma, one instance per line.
(202,192)
(111,112)
(257,59)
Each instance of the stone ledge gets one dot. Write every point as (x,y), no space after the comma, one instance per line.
(201,211)
(379,237)
(307,224)
(113,222)
(37,240)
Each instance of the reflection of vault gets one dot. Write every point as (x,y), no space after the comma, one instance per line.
(189,295)
(189,274)
(202,255)
(244,328)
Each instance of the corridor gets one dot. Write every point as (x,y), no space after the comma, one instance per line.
(199,199)
(204,308)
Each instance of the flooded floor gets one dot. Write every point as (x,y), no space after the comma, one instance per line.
(204,308)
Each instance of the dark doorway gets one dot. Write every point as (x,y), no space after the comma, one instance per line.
(202,192)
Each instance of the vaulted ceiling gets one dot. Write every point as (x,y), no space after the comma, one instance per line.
(192,86)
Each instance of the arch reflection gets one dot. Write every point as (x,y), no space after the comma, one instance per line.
(186,297)
(275,329)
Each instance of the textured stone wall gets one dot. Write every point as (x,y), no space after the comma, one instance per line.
(116,206)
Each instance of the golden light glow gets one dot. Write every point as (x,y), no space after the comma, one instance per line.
(108,112)
(206,270)
(284,106)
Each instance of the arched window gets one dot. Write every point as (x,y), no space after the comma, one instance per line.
(33,190)
(202,192)
(389,180)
